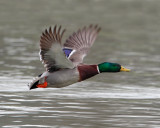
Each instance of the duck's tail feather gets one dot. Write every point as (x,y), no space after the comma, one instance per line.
(33,84)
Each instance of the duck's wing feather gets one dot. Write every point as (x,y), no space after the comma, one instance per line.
(78,44)
(51,53)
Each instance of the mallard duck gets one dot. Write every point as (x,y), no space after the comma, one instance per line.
(64,62)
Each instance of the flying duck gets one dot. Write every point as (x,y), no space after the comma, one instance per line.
(64,62)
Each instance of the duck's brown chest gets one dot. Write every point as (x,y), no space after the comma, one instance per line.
(87,71)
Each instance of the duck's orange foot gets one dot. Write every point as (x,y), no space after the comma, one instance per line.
(44,85)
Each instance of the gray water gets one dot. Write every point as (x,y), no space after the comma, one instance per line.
(130,36)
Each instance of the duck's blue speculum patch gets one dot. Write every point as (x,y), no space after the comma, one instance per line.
(67,51)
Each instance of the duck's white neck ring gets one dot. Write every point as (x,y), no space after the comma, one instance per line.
(98,70)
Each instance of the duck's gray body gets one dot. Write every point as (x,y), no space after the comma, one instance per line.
(62,78)
(65,77)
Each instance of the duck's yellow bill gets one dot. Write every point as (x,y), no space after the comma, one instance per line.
(123,69)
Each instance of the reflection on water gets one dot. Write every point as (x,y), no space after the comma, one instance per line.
(129,36)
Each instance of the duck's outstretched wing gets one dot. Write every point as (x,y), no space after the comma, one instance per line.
(79,43)
(51,53)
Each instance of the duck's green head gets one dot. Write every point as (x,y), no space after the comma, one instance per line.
(111,67)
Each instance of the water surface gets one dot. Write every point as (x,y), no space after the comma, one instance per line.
(129,36)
